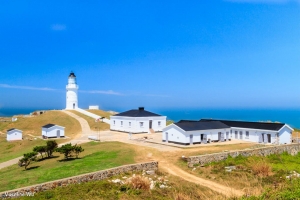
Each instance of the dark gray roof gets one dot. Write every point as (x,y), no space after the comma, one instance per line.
(197,125)
(252,125)
(48,125)
(72,74)
(11,129)
(137,113)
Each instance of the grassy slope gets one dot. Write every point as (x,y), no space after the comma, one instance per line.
(11,150)
(93,125)
(32,125)
(180,190)
(96,156)
(101,113)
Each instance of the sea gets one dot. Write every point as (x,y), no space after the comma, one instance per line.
(288,116)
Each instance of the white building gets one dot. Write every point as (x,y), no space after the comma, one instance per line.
(53,131)
(206,130)
(14,134)
(72,90)
(137,121)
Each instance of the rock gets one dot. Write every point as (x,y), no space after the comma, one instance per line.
(287,177)
(193,169)
(228,170)
(150,172)
(124,177)
(116,181)
(162,186)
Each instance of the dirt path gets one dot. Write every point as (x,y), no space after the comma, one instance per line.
(176,171)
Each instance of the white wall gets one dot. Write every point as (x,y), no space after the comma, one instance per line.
(285,135)
(176,134)
(121,123)
(14,135)
(52,131)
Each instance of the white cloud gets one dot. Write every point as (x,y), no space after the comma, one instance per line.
(58,27)
(25,87)
(109,92)
(264,1)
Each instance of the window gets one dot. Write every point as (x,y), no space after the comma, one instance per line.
(247,134)
(158,123)
(114,122)
(236,134)
(141,124)
(121,123)
(241,134)
(129,123)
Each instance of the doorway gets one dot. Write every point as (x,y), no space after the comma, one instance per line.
(73,105)
(269,138)
(58,133)
(227,136)
(203,139)
(260,138)
(167,138)
(150,124)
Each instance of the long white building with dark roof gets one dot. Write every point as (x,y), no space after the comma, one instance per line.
(137,121)
(188,132)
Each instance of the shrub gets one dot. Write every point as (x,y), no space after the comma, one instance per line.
(180,196)
(139,182)
(261,168)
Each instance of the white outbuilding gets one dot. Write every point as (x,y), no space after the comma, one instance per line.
(188,132)
(53,131)
(14,134)
(137,121)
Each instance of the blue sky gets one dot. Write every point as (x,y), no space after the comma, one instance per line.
(157,54)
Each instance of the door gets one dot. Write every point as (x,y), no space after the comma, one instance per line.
(227,136)
(150,124)
(269,138)
(236,134)
(222,137)
(260,138)
(263,138)
(241,135)
(191,139)
(167,137)
(73,105)
(204,138)
(219,136)
(58,133)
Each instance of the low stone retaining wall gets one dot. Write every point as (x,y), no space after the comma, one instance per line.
(292,149)
(99,175)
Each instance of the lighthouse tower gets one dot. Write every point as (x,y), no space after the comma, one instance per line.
(72,97)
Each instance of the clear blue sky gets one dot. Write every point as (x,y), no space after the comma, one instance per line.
(157,54)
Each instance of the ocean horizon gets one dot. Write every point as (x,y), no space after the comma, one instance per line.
(288,116)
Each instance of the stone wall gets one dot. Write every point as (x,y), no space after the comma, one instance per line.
(99,175)
(265,151)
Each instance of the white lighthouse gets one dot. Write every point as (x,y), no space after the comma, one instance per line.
(72,89)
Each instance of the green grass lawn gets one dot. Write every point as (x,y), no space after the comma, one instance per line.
(11,150)
(97,156)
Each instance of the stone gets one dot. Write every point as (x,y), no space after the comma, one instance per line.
(150,172)
(162,186)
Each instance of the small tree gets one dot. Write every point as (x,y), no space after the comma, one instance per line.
(40,149)
(27,158)
(50,148)
(77,150)
(66,150)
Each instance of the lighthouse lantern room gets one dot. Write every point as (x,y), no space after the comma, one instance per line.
(72,89)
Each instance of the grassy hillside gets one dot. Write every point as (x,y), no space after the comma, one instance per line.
(33,125)
(101,113)
(96,156)
(105,189)
(94,125)
(11,150)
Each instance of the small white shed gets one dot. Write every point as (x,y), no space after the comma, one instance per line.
(53,131)
(14,134)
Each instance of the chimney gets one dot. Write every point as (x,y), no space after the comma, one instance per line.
(141,108)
